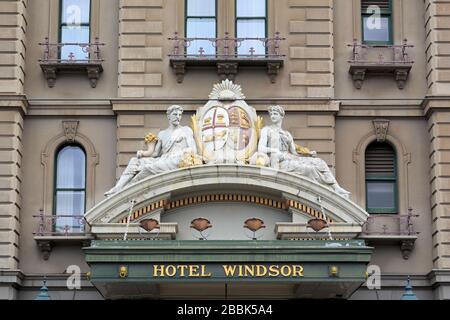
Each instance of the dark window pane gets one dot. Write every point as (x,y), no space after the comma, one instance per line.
(71,166)
(251,28)
(201,8)
(75,12)
(251,8)
(74,35)
(69,203)
(376,29)
(380,194)
(201,28)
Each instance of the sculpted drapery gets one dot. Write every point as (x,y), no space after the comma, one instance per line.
(175,147)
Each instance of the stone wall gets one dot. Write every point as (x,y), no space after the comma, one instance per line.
(438,49)
(311,47)
(13,25)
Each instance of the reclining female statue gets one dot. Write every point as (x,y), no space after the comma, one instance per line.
(277,149)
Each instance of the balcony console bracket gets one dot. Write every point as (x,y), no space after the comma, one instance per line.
(226,68)
(406,242)
(46,243)
(52,69)
(360,71)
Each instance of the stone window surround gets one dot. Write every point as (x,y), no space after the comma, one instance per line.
(48,166)
(403,160)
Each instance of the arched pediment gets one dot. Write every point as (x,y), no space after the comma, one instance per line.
(282,190)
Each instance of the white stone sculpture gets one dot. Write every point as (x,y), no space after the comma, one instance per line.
(276,148)
(173,148)
(226,127)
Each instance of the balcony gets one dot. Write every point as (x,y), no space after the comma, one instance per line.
(229,55)
(71,58)
(380,60)
(60,230)
(385,229)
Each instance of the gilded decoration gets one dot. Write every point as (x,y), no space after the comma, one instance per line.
(226,130)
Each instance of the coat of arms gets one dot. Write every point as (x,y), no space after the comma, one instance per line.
(226,127)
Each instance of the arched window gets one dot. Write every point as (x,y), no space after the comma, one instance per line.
(70,188)
(381,178)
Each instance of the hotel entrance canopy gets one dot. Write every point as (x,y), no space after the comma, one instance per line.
(280,269)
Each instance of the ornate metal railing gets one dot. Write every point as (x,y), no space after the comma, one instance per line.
(53,52)
(390,224)
(60,225)
(227,47)
(385,54)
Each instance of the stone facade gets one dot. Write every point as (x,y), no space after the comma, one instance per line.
(324,112)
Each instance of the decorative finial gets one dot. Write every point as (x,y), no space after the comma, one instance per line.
(409,294)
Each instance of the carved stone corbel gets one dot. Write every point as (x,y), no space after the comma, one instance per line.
(179,68)
(93,75)
(406,247)
(50,76)
(381,129)
(46,248)
(70,130)
(401,76)
(273,69)
(227,70)
(358,76)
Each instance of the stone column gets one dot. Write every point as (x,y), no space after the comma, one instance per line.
(437,19)
(13,24)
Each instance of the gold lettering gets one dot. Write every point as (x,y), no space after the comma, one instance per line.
(286,271)
(249,270)
(182,269)
(229,270)
(297,271)
(193,271)
(171,271)
(204,274)
(261,271)
(240,271)
(274,271)
(158,270)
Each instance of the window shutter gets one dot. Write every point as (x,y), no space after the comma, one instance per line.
(380,160)
(383,4)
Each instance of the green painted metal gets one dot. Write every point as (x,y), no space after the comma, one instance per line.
(409,294)
(316,257)
(384,13)
(43,293)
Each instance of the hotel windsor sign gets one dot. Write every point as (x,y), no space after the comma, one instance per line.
(227,271)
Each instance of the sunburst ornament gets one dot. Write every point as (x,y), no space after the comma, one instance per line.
(226,91)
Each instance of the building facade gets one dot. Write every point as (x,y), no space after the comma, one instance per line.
(364,83)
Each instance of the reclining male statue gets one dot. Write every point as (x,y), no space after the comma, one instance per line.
(173,148)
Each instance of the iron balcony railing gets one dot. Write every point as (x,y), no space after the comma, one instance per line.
(380,54)
(227,48)
(58,53)
(60,225)
(390,224)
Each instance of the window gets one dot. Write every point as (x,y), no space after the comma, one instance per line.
(376,21)
(251,22)
(70,188)
(74,27)
(201,22)
(381,178)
